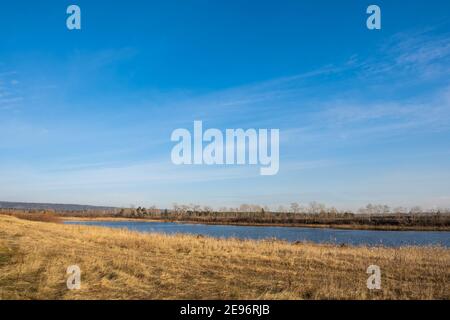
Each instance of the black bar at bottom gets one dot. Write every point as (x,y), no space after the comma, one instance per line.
(230,309)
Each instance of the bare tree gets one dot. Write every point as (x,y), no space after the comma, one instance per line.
(416,210)
(295,207)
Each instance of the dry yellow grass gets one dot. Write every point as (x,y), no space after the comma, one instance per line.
(118,264)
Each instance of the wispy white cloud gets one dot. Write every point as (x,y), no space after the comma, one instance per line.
(10,95)
(418,55)
(314,110)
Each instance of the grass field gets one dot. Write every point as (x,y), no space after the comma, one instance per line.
(119,264)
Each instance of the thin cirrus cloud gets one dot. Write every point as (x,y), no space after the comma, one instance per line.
(10,96)
(347,122)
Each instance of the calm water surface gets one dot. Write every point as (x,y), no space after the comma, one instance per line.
(351,237)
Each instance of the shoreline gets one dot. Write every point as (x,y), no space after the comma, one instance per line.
(244,224)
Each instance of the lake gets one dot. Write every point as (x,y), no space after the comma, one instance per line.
(316,235)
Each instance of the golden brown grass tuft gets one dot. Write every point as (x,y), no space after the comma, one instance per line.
(37,216)
(119,264)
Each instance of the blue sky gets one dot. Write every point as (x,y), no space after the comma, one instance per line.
(364,116)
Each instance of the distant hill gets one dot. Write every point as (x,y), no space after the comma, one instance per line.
(50,206)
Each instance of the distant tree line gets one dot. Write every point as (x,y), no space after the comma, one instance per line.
(294,214)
